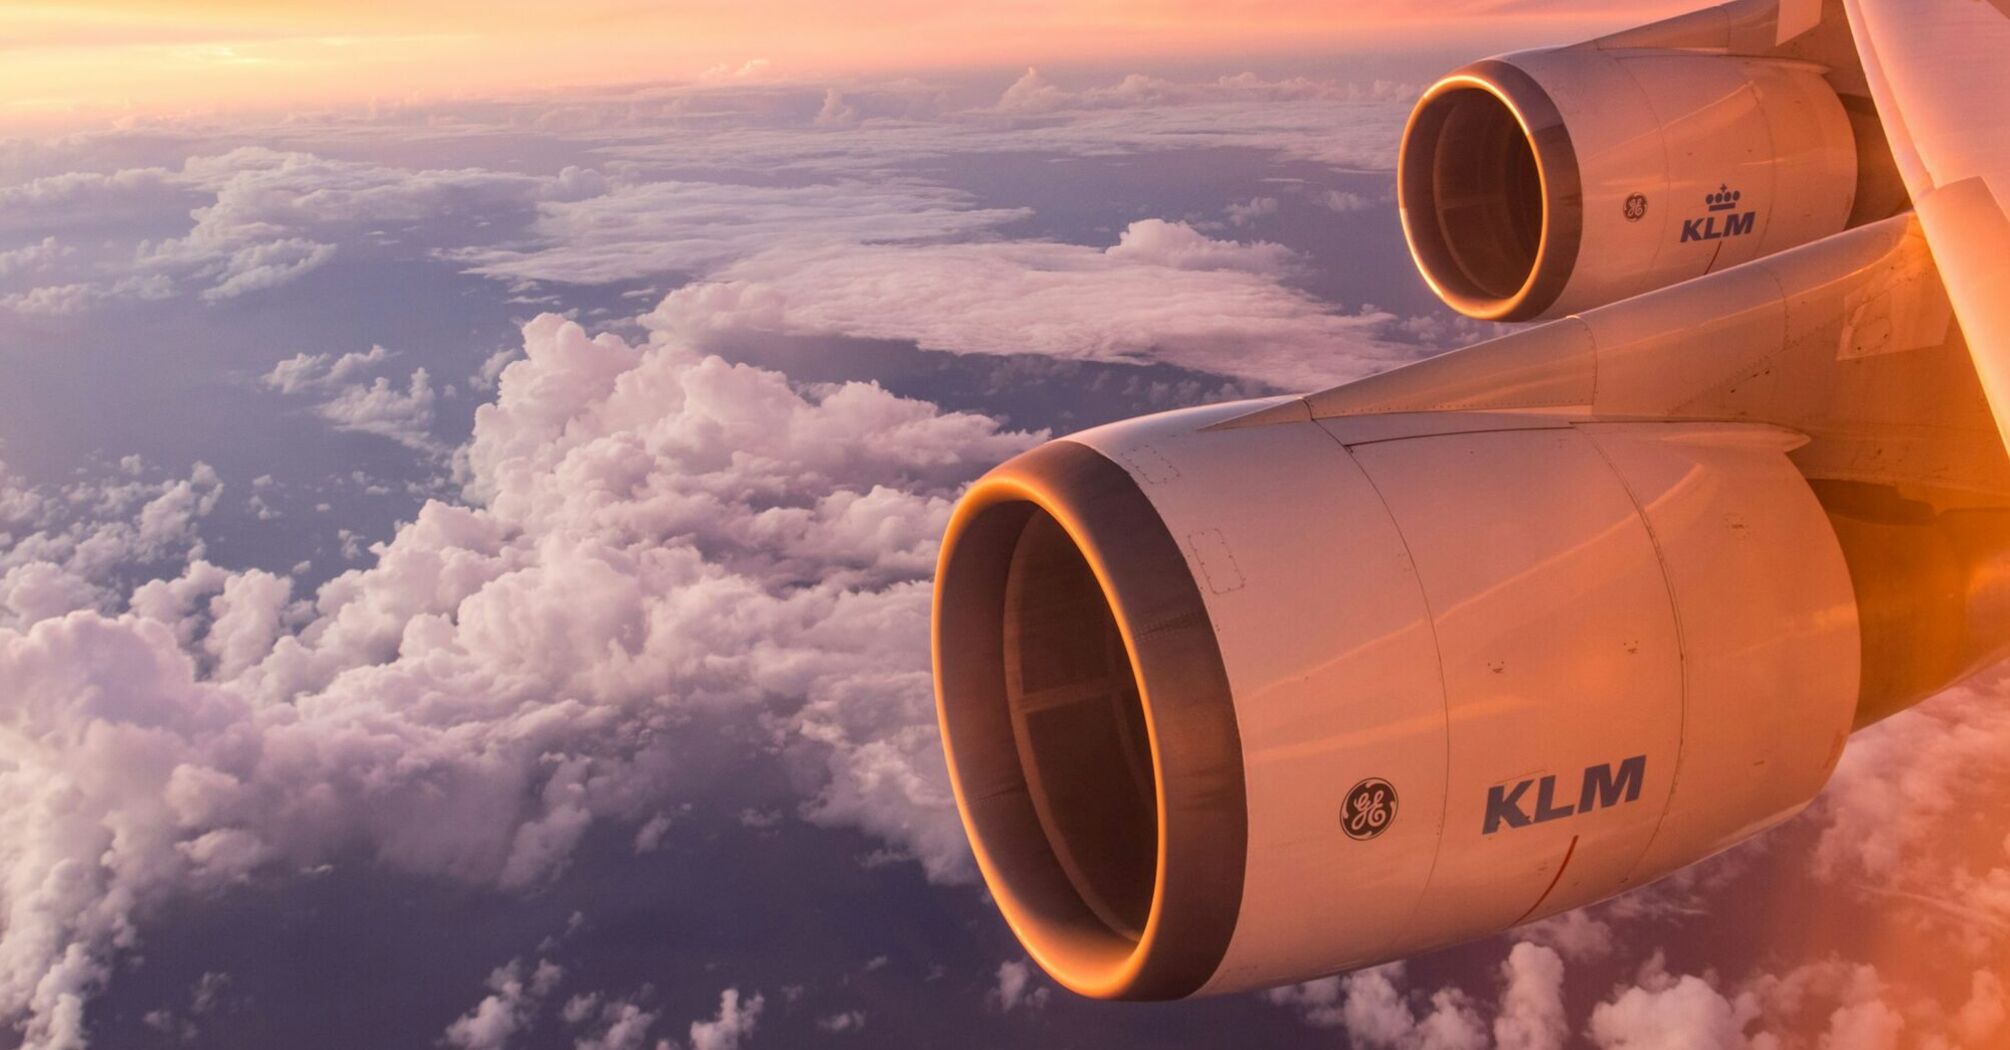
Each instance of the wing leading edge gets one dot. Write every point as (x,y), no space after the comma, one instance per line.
(1936,69)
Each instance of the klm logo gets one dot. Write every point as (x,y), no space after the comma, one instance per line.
(1601,787)
(1736,222)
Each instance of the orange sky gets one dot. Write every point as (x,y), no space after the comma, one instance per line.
(62,60)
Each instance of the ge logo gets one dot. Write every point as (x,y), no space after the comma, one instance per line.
(1636,207)
(1369,810)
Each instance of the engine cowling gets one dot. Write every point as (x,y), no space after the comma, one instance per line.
(1543,183)
(1228,706)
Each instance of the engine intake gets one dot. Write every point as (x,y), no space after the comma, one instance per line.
(1087,722)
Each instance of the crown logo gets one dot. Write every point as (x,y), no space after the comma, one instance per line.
(1724,199)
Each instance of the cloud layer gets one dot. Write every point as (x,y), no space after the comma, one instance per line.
(659,544)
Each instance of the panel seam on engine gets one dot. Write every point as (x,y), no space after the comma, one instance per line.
(1681,649)
(1437,649)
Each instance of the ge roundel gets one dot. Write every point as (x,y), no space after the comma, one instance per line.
(1369,810)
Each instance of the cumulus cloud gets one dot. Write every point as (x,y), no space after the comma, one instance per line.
(653,539)
(1668,1013)
(33,256)
(1242,213)
(63,548)
(1936,765)
(1826,1003)
(610,1024)
(1374,1007)
(305,372)
(1018,987)
(513,998)
(1531,1013)
(1576,935)
(843,1021)
(732,1026)
(836,112)
(404,415)
(1033,93)
(1156,242)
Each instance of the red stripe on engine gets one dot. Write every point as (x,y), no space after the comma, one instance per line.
(1551,888)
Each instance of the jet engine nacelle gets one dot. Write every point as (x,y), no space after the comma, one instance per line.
(1232,705)
(1543,183)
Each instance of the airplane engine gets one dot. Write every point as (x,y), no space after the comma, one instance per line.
(1233,705)
(1543,183)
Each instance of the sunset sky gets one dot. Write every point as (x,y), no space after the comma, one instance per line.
(471,476)
(95,59)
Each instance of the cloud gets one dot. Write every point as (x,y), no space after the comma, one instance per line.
(1156,242)
(306,372)
(751,69)
(653,228)
(404,416)
(734,1023)
(1378,1015)
(1982,1016)
(1531,1013)
(1163,292)
(33,256)
(208,992)
(1242,213)
(1319,1002)
(514,997)
(268,264)
(1334,123)
(1344,201)
(654,540)
(843,1021)
(63,549)
(613,1024)
(372,407)
(224,225)
(1373,1007)
(1033,93)
(91,199)
(1668,1014)
(1938,765)
(1018,987)
(1576,935)
(1827,1002)
(836,113)
(261,219)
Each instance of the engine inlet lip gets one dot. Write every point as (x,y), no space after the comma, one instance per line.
(1196,750)
(1562,226)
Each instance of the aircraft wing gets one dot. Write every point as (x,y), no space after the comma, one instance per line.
(1940,72)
